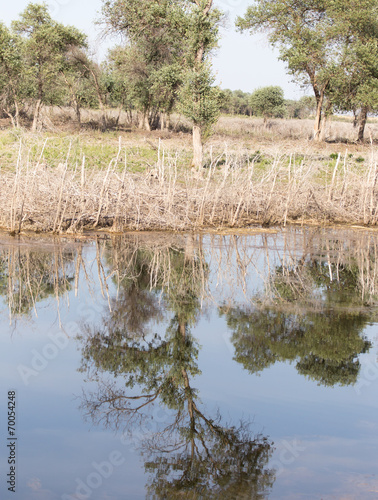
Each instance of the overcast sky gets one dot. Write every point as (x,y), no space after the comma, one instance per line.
(242,62)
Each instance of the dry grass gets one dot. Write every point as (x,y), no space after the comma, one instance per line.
(238,188)
(134,180)
(337,130)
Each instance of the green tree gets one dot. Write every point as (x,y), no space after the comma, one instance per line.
(268,102)
(199,99)
(330,45)
(12,89)
(319,323)
(147,65)
(303,108)
(46,44)
(354,78)
(167,58)
(301,31)
(92,85)
(236,102)
(28,277)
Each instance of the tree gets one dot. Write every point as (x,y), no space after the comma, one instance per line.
(169,43)
(90,81)
(354,78)
(11,72)
(268,102)
(302,108)
(325,346)
(199,99)
(148,63)
(301,31)
(323,44)
(46,44)
(28,277)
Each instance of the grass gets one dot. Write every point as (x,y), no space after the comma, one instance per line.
(59,182)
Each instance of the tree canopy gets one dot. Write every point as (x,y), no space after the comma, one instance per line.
(163,63)
(46,45)
(167,59)
(322,41)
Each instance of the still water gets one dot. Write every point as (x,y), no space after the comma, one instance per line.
(239,366)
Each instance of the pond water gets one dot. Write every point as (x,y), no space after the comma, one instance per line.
(190,366)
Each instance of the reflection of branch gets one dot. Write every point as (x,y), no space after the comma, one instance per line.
(111,405)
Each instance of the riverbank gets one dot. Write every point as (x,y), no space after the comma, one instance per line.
(66,183)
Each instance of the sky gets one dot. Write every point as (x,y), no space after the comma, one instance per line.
(242,62)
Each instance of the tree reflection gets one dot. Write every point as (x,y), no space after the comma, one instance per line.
(28,276)
(325,345)
(190,454)
(318,321)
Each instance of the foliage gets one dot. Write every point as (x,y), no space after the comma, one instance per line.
(199,100)
(235,102)
(46,45)
(325,346)
(166,59)
(12,87)
(268,102)
(29,277)
(325,341)
(148,67)
(330,45)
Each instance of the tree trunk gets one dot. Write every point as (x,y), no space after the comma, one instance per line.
(17,113)
(143,122)
(162,121)
(11,117)
(78,113)
(318,118)
(129,117)
(100,100)
(319,96)
(75,101)
(199,58)
(168,121)
(140,120)
(37,112)
(355,118)
(323,126)
(146,124)
(325,121)
(362,118)
(118,116)
(197,147)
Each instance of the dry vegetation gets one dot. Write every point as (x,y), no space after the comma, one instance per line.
(67,182)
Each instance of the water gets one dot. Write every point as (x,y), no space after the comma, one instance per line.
(188,366)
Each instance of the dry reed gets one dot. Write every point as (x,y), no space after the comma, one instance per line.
(235,190)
